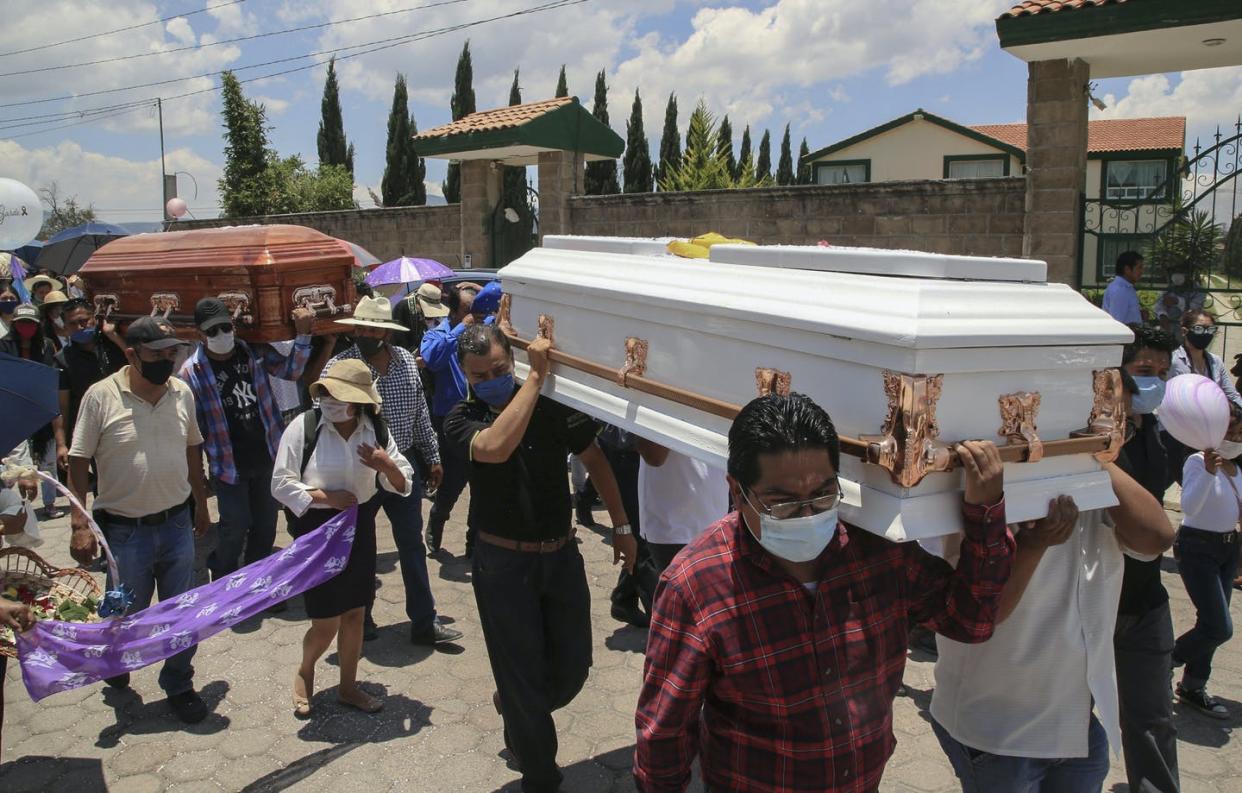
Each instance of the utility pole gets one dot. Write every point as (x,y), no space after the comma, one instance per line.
(159,107)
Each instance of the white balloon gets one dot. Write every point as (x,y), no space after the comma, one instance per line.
(176,207)
(21,214)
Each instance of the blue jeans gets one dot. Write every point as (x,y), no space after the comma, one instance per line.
(406,516)
(1208,563)
(247,527)
(981,772)
(163,556)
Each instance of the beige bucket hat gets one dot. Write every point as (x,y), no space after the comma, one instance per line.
(373,312)
(349,381)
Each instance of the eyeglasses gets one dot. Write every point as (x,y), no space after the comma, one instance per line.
(216,330)
(1204,330)
(792,509)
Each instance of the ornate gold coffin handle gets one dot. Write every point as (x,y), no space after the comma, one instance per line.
(909,448)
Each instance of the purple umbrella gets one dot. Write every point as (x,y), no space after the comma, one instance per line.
(406,270)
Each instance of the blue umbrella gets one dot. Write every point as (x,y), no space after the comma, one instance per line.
(29,253)
(66,252)
(28,399)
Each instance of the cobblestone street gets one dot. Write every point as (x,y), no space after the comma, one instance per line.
(438,731)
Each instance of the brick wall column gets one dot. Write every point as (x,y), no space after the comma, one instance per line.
(561,175)
(480,192)
(1056,161)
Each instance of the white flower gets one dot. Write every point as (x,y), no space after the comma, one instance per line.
(181,640)
(159,630)
(330,531)
(65,631)
(206,611)
(348,536)
(335,564)
(41,658)
(187,600)
(71,680)
(132,659)
(281,591)
(235,581)
(261,584)
(227,617)
(288,553)
(95,651)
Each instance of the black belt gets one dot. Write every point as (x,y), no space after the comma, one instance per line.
(1225,537)
(154,519)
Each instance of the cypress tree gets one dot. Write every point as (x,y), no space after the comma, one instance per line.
(416,167)
(784,169)
(333,148)
(637,151)
(724,142)
(395,186)
(601,176)
(516,235)
(670,142)
(744,156)
(242,188)
(462,105)
(804,167)
(562,87)
(763,166)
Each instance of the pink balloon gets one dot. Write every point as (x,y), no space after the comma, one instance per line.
(1195,411)
(176,207)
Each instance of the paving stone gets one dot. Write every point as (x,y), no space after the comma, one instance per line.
(191,766)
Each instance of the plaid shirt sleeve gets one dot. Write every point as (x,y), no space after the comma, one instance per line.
(288,367)
(961,604)
(675,680)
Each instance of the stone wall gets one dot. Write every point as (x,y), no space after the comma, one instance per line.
(981,217)
(433,232)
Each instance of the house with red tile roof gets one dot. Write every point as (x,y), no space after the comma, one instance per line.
(1129,161)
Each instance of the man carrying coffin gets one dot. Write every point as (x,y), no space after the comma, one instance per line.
(784,630)
(528,576)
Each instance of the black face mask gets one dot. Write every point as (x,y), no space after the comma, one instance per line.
(367,346)
(1200,341)
(157,372)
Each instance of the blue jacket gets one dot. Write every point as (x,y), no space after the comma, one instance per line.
(439,352)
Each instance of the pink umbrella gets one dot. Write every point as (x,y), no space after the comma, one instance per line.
(407,270)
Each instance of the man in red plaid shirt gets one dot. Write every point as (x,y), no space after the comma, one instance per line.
(778,636)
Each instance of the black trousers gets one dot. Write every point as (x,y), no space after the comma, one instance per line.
(662,554)
(1143,645)
(535,609)
(456,474)
(639,585)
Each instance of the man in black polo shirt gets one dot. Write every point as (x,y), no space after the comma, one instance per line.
(529,580)
(94,352)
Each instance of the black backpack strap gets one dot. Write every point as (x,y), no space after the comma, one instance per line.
(310,435)
(381,430)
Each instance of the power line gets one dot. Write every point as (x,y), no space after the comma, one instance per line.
(104,111)
(91,120)
(231,41)
(120,30)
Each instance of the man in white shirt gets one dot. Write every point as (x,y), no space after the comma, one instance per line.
(1121,298)
(678,498)
(1015,713)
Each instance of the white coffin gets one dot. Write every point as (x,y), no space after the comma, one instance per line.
(835,319)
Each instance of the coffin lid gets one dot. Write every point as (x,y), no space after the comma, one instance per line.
(905,299)
(230,246)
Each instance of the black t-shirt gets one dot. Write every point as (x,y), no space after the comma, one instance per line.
(81,368)
(235,384)
(527,496)
(1144,458)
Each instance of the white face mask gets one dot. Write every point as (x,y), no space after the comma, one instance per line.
(1230,450)
(335,410)
(221,343)
(59,323)
(795,539)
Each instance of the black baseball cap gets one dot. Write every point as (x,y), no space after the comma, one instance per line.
(156,333)
(210,312)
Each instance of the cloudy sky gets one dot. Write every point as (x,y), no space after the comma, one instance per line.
(829,68)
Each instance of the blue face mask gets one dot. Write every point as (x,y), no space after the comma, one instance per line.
(496,392)
(83,336)
(1150,395)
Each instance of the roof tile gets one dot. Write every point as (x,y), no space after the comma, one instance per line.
(500,118)
(1033,7)
(1107,135)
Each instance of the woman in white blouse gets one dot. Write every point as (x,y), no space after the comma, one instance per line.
(348,462)
(1207,556)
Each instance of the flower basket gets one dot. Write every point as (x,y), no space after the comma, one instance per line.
(46,589)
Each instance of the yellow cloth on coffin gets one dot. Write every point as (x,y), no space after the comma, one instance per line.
(699,247)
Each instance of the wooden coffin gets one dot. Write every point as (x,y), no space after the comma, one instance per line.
(261,272)
(909,353)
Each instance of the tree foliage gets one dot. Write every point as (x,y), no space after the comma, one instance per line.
(703,165)
(333,148)
(763,165)
(404,170)
(242,188)
(804,167)
(670,142)
(62,212)
(513,236)
(562,87)
(601,176)
(462,105)
(745,158)
(724,140)
(1190,245)
(785,168)
(637,151)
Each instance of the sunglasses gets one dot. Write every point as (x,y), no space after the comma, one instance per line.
(1204,330)
(216,330)
(792,509)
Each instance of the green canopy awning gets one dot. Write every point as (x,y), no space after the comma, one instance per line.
(517,134)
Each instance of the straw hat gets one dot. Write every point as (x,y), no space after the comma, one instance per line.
(53,297)
(373,312)
(33,281)
(429,299)
(349,381)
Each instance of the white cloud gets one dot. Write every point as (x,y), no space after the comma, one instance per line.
(273,105)
(1207,98)
(122,190)
(179,28)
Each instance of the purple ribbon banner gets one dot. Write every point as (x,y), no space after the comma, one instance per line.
(60,656)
